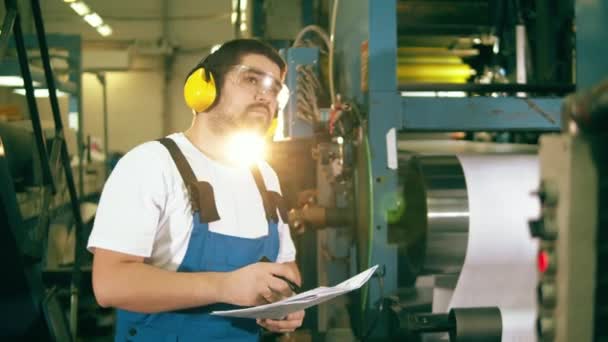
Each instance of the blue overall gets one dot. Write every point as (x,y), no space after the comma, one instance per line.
(207,252)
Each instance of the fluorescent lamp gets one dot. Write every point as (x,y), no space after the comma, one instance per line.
(14,81)
(233,16)
(243,27)
(104,30)
(93,19)
(81,8)
(39,92)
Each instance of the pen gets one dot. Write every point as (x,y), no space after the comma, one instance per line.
(293,286)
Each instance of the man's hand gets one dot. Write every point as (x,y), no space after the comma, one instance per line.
(289,324)
(256,284)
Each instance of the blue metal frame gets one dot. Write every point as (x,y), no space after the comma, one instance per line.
(258,22)
(307,13)
(295,57)
(591,38)
(70,43)
(480,114)
(375,22)
(73,45)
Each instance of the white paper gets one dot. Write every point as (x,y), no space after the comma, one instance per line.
(301,301)
(500,263)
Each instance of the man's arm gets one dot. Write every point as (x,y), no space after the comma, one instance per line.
(124,281)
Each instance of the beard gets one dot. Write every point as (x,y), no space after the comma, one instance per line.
(251,119)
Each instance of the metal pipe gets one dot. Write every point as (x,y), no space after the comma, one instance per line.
(7,28)
(47,177)
(74,201)
(477,324)
(101,77)
(520,46)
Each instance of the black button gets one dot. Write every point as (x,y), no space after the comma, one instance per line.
(132,332)
(536,228)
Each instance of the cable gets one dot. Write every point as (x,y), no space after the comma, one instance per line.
(372,326)
(307,86)
(311,28)
(332,90)
(370,195)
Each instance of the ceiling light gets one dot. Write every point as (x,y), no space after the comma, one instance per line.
(14,81)
(39,92)
(104,30)
(243,27)
(93,19)
(81,8)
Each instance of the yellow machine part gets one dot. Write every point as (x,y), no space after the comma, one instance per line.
(429,59)
(434,71)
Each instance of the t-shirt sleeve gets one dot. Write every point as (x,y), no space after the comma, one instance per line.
(287,249)
(131,203)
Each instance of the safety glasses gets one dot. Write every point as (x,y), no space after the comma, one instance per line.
(259,82)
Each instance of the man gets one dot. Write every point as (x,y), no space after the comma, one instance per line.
(180,229)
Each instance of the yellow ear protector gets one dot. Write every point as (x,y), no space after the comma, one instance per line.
(199,90)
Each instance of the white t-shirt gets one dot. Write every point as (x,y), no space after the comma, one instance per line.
(145,210)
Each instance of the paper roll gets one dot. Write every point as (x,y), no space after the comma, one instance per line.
(500,262)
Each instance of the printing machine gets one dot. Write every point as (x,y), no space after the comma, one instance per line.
(382,189)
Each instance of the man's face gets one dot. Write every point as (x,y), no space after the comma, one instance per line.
(243,105)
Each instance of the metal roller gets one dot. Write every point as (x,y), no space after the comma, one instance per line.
(433,231)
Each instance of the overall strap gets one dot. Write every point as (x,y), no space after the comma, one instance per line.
(269,208)
(201,194)
(272,200)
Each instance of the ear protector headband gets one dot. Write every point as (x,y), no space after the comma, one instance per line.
(200,91)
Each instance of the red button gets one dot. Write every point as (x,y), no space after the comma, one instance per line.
(543,261)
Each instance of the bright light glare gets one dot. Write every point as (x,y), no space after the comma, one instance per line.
(14,81)
(81,8)
(246,148)
(215,48)
(39,92)
(104,30)
(93,19)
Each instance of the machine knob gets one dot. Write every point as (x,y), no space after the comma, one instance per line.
(543,228)
(547,294)
(545,327)
(536,228)
(548,193)
(549,226)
